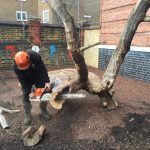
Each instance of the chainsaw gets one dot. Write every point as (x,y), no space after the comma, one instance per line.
(41,94)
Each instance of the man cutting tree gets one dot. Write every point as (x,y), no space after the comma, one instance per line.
(30,70)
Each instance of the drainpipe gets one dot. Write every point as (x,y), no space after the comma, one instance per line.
(23,30)
(23,24)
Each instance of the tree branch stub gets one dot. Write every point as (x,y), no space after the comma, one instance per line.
(3,121)
(146,19)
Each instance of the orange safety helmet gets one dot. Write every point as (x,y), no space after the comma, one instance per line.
(22,60)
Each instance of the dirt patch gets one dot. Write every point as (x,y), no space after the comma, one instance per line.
(83,124)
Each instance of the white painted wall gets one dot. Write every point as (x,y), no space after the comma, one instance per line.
(91,54)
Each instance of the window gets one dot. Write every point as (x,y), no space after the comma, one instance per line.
(21,16)
(45,16)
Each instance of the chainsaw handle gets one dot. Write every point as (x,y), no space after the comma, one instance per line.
(43,92)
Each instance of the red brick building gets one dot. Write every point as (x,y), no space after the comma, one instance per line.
(114,15)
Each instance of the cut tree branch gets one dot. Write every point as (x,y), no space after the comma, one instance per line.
(3,121)
(32,136)
(146,19)
(89,46)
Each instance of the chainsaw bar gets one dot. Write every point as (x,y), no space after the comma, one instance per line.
(47,96)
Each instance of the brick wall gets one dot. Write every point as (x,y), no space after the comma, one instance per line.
(13,38)
(136,64)
(114,15)
(55,35)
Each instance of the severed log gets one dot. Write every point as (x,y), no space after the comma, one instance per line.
(31,136)
(3,121)
(58,98)
(68,77)
(60,93)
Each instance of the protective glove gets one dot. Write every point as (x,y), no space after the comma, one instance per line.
(47,86)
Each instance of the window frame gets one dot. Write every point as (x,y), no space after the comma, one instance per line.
(21,13)
(45,11)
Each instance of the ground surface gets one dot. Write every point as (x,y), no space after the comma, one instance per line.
(83,124)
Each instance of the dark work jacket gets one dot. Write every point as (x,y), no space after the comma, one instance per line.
(36,74)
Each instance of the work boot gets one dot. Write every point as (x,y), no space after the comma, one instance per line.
(27,116)
(44,112)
